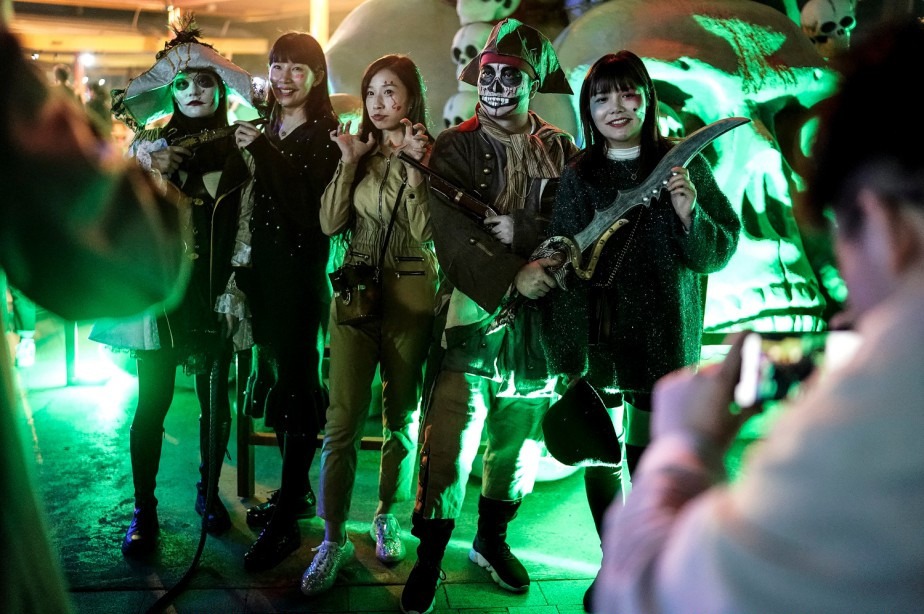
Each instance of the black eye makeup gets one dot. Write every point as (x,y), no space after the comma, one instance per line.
(203,80)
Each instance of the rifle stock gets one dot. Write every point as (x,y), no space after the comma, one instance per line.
(454,194)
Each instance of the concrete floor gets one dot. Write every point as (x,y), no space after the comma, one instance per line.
(79,438)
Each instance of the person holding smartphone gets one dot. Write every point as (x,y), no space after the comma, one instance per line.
(824,514)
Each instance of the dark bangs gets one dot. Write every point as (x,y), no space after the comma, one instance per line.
(298,48)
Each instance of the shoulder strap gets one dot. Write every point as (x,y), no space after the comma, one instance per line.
(391,225)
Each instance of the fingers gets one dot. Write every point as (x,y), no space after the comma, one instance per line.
(550,261)
(679,182)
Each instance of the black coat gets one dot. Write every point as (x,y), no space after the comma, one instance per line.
(641,315)
(288,291)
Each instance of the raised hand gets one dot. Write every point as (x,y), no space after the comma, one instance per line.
(416,144)
(352,148)
(416,141)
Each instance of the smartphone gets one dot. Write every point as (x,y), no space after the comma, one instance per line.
(774,364)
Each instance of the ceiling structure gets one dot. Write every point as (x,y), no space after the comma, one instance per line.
(124,35)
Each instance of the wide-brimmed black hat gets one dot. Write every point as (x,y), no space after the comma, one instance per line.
(514,39)
(579,431)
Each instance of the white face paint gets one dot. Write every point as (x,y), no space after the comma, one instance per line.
(196,93)
(504,89)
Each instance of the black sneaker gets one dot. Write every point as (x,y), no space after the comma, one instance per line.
(506,569)
(259,515)
(419,594)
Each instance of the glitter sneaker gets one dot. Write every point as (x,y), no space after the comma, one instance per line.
(326,564)
(386,532)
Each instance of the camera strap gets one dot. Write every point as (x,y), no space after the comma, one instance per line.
(391,224)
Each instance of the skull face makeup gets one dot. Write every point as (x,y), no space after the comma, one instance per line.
(196,93)
(504,89)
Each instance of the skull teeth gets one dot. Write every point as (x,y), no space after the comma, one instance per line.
(496,101)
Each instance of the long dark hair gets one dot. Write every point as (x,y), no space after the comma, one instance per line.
(410,77)
(621,71)
(302,48)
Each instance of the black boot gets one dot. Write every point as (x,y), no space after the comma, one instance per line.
(305,507)
(419,594)
(490,549)
(218,520)
(602,486)
(282,537)
(143,532)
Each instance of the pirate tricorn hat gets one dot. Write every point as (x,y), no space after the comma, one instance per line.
(147,97)
(515,39)
(578,430)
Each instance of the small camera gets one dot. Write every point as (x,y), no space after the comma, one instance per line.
(774,364)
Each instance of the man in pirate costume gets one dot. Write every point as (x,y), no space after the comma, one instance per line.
(490,378)
(192,84)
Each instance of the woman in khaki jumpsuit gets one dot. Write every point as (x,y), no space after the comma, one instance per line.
(369,186)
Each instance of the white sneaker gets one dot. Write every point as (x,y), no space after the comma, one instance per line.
(25,352)
(387,535)
(326,564)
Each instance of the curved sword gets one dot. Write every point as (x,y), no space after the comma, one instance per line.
(606,221)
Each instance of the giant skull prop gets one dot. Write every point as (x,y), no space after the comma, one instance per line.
(467,43)
(470,11)
(828,24)
(459,108)
(712,59)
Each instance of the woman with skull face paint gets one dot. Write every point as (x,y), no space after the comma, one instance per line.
(492,380)
(641,314)
(287,284)
(191,82)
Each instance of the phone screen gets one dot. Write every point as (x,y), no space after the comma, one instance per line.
(774,364)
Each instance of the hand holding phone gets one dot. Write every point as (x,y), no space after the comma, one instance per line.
(774,364)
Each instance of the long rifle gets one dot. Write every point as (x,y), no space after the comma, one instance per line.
(191,141)
(474,207)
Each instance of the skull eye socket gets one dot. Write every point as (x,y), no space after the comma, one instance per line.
(821,39)
(510,77)
(847,22)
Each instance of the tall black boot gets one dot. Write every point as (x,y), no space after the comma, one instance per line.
(282,537)
(142,535)
(218,519)
(490,549)
(419,595)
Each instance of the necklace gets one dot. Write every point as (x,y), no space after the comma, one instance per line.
(631,167)
(628,158)
(287,127)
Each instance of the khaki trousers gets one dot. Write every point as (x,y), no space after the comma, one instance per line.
(464,407)
(398,345)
